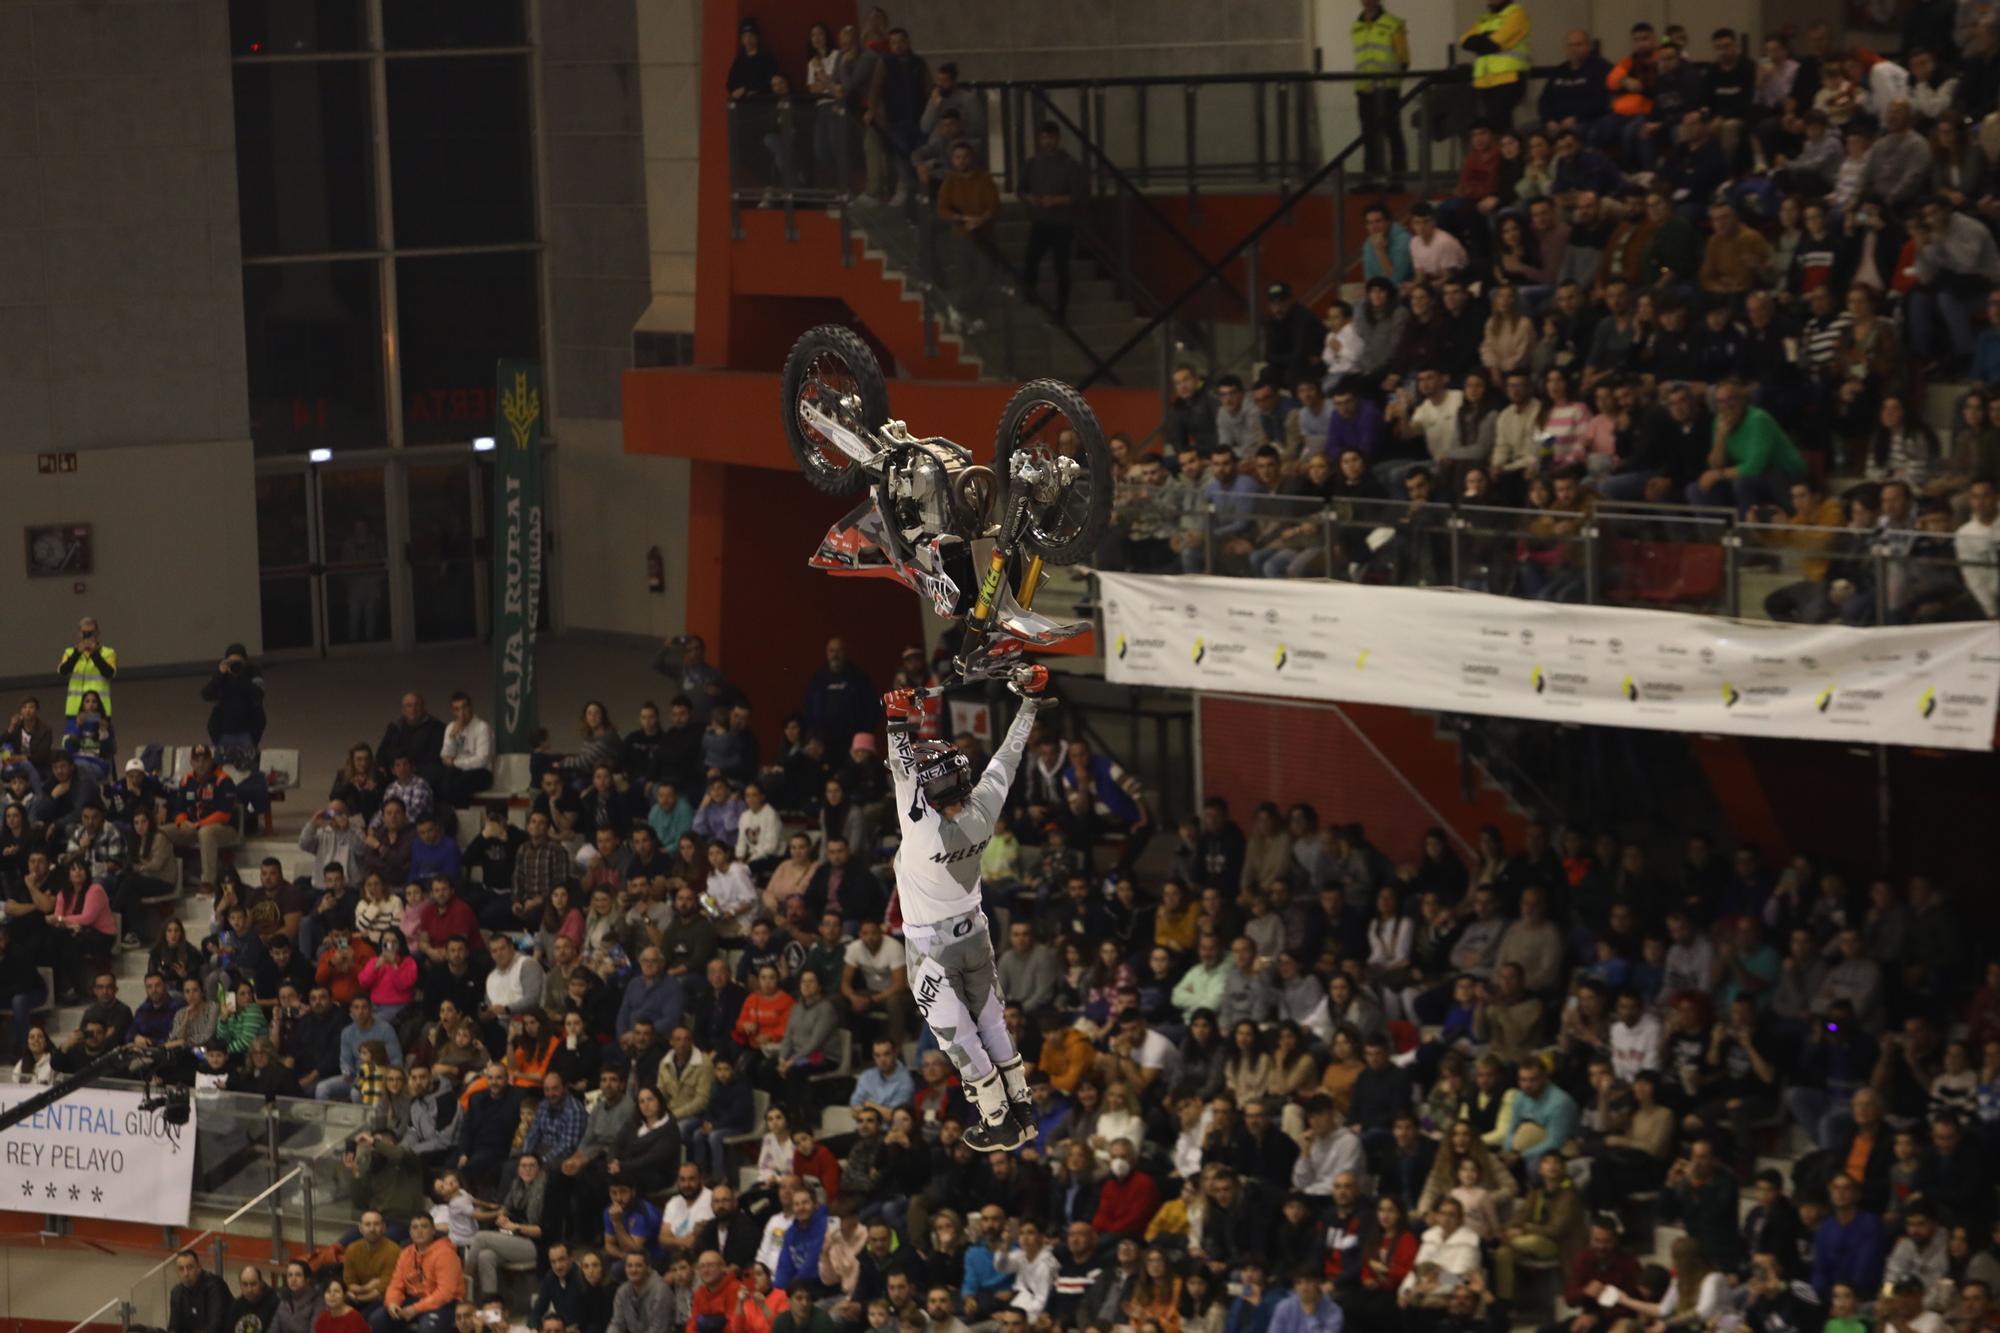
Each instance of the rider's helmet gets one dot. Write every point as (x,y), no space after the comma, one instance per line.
(943,774)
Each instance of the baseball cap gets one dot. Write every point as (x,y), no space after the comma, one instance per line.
(863,740)
(134,766)
(1278,291)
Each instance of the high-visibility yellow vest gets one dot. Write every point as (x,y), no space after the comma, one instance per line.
(84,677)
(1375,50)
(1509,64)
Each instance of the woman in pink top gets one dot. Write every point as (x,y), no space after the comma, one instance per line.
(1565,421)
(88,930)
(1601,435)
(390,977)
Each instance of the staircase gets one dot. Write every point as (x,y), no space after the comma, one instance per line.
(1005,334)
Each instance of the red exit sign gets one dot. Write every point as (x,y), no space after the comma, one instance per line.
(51,464)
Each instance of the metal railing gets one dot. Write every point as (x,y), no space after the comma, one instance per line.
(144,1303)
(1250,130)
(1664,557)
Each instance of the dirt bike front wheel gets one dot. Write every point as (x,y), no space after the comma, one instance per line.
(831,371)
(1070,502)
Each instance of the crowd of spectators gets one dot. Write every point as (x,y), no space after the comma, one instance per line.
(1724,277)
(1284,1080)
(646,1062)
(867,120)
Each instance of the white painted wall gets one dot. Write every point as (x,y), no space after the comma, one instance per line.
(610,507)
(175,537)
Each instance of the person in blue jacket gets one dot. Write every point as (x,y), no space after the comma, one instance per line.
(798,1253)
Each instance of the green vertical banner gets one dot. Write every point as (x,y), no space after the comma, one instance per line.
(517,552)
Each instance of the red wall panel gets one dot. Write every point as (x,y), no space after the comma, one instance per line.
(1260,750)
(776,614)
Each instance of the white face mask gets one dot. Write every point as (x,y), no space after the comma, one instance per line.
(1121,1167)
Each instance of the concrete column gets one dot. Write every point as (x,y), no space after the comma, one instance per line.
(669,84)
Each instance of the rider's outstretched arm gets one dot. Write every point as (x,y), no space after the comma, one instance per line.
(990,795)
(905,714)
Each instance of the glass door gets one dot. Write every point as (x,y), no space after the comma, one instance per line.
(323,559)
(287,563)
(354,555)
(446,550)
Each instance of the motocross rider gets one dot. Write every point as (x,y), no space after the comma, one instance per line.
(947,820)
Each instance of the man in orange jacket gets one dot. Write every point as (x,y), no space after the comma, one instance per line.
(1631,85)
(716,1290)
(429,1280)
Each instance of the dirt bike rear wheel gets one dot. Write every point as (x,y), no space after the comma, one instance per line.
(1050,419)
(831,368)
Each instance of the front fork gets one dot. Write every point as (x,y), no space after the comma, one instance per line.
(979,624)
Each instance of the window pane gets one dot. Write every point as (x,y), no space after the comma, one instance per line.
(460,314)
(288,27)
(460,167)
(427,25)
(313,341)
(302,164)
(356,550)
(443,551)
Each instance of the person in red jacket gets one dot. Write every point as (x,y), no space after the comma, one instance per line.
(444,916)
(1602,1264)
(1127,1200)
(716,1290)
(810,1157)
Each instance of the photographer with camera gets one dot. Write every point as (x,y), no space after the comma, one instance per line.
(237,692)
(87,666)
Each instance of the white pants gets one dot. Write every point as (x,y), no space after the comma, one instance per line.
(957,990)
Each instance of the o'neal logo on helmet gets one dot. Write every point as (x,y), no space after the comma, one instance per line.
(942,774)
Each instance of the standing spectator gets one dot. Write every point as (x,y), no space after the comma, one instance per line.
(1050,184)
(896,104)
(968,201)
(840,698)
(236,692)
(413,733)
(1381,47)
(1499,43)
(87,667)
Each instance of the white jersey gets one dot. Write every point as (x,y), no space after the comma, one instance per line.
(937,861)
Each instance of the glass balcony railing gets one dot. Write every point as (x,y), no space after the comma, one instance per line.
(1664,557)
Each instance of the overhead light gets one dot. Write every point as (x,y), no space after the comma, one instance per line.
(483,445)
(320,456)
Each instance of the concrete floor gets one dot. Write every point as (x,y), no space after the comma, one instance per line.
(322,706)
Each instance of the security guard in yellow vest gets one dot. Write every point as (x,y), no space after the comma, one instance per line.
(1499,45)
(1381,46)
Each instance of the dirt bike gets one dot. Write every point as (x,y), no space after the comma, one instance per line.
(1044,501)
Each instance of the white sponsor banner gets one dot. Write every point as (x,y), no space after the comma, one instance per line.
(96,1154)
(1465,652)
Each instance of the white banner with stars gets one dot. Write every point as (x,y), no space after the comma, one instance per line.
(96,1154)
(1464,652)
